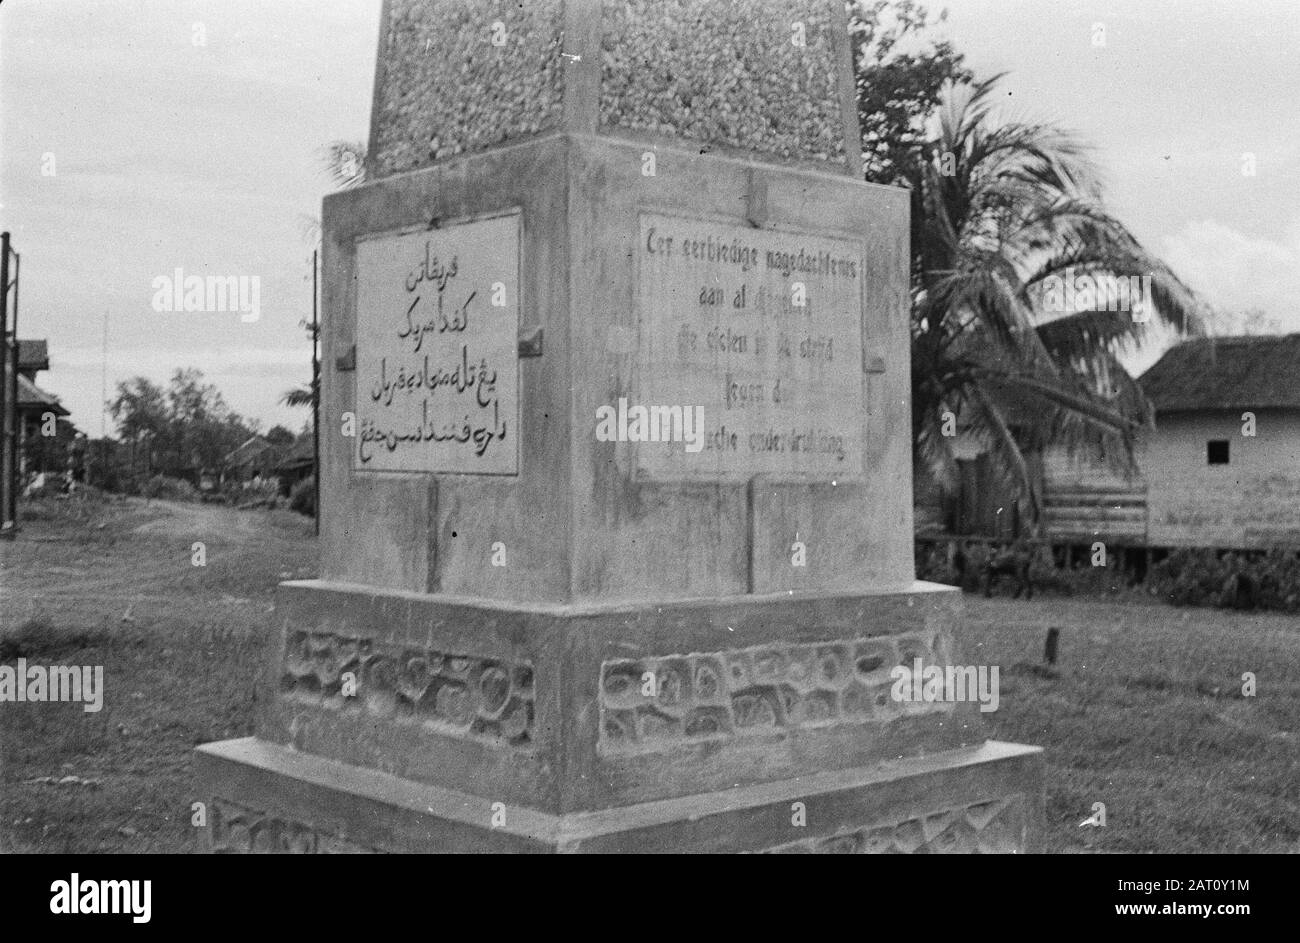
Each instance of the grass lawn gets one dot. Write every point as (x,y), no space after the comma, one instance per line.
(114,585)
(1145,714)
(1148,717)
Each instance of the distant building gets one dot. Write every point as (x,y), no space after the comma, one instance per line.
(298,462)
(39,414)
(1210,482)
(255,457)
(1202,480)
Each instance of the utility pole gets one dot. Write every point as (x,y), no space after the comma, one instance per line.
(103,410)
(103,381)
(13,410)
(9,392)
(315,398)
(6,522)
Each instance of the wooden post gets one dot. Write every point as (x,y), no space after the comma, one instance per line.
(1049,649)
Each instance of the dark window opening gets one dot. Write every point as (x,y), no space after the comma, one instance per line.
(1216,452)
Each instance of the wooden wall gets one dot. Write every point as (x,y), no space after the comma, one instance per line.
(1085,501)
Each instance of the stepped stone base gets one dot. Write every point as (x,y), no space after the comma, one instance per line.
(269,798)
(395,721)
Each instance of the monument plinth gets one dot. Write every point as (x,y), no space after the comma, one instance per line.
(616,465)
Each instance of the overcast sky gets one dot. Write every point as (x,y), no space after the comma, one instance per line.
(171,154)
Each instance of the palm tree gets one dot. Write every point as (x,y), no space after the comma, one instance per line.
(300,395)
(999,210)
(344,162)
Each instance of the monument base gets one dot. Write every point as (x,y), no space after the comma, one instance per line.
(408,722)
(981,800)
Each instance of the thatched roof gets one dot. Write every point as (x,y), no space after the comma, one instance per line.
(1258,372)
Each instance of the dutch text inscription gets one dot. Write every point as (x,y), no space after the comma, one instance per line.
(763,331)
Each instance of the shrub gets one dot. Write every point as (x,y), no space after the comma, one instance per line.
(932,564)
(124,483)
(173,489)
(1200,577)
(303,496)
(1083,579)
(967,566)
(264,494)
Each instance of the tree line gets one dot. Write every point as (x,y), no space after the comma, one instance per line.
(183,429)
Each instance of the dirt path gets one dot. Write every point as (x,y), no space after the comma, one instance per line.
(143,556)
(201,521)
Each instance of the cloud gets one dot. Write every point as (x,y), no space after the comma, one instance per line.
(1236,272)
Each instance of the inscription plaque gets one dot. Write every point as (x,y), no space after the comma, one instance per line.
(762,331)
(437,365)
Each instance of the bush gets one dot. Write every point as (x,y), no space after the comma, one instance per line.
(1206,578)
(967,570)
(260,494)
(80,506)
(932,564)
(123,483)
(967,566)
(1085,579)
(173,489)
(303,496)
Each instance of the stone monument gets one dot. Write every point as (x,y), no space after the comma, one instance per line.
(616,465)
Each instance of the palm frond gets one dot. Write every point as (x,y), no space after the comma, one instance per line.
(345,163)
(299,396)
(309,228)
